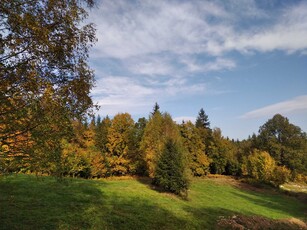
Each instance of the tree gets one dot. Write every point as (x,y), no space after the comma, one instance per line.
(192,141)
(43,51)
(138,159)
(202,120)
(285,142)
(203,125)
(170,173)
(156,109)
(101,134)
(223,154)
(159,128)
(120,144)
(262,167)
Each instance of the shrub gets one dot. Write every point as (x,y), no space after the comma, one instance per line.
(281,175)
(261,166)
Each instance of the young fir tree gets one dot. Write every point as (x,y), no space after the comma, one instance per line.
(170,173)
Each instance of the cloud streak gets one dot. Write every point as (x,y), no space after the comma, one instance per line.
(286,107)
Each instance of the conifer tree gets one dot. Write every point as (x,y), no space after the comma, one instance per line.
(202,120)
(156,109)
(170,173)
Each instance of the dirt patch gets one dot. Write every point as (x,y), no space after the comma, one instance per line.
(257,222)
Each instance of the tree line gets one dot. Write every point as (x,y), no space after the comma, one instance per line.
(168,152)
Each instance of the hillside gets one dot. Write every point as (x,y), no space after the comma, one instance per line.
(213,203)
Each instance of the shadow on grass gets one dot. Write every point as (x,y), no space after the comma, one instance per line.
(302,196)
(148,183)
(27,203)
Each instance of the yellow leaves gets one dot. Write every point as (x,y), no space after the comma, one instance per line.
(5,148)
(262,167)
(120,143)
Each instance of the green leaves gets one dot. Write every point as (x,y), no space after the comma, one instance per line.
(170,173)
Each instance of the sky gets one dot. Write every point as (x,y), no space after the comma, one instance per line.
(242,61)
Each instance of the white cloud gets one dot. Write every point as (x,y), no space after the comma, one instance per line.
(150,65)
(127,29)
(286,107)
(288,34)
(123,94)
(120,94)
(192,65)
(150,27)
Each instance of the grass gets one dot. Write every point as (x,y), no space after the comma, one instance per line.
(30,203)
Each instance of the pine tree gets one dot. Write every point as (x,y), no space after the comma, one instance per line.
(156,109)
(170,173)
(203,125)
(202,121)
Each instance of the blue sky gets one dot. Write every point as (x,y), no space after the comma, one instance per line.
(242,61)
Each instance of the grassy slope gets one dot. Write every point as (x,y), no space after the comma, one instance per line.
(28,203)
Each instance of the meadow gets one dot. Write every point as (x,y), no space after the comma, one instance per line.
(27,202)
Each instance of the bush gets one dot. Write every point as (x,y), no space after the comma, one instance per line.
(170,173)
(281,175)
(300,178)
(261,166)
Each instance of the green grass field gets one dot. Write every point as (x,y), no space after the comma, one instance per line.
(28,203)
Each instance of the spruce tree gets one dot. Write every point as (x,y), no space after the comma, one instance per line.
(202,121)
(156,109)
(171,174)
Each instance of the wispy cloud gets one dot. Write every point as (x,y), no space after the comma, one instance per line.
(127,29)
(286,107)
(192,65)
